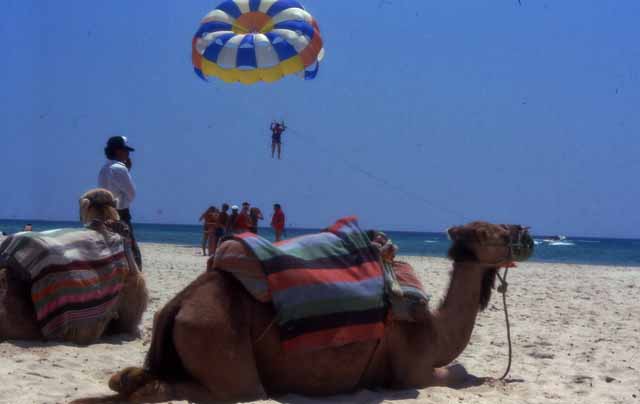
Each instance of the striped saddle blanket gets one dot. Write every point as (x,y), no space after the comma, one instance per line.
(75,276)
(327,288)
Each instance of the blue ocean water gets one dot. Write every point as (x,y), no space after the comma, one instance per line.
(576,250)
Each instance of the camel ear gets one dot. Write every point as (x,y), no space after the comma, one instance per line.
(84,209)
(453,233)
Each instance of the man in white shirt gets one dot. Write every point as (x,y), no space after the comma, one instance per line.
(116,177)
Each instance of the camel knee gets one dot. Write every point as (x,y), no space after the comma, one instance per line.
(139,386)
(450,376)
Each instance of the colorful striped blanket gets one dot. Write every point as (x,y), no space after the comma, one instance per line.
(327,288)
(410,302)
(75,276)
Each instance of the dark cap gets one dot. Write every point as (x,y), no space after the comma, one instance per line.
(119,143)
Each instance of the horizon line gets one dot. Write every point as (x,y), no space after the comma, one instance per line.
(315,228)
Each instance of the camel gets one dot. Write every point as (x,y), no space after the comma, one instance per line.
(17,313)
(214,343)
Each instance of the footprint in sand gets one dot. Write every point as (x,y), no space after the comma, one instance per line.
(582,379)
(541,355)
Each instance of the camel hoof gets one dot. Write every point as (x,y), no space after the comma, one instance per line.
(129,380)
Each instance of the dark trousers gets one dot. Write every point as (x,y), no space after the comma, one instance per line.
(125,216)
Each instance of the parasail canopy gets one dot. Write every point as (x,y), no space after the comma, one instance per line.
(248,41)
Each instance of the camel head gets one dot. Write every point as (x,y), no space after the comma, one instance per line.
(491,246)
(98,204)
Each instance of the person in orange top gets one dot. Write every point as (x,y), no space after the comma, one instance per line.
(209,217)
(277,221)
(243,224)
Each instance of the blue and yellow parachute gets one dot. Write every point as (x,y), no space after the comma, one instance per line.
(248,41)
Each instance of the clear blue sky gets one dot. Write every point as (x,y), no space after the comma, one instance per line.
(485,109)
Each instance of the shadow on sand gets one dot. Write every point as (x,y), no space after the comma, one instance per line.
(379,396)
(118,339)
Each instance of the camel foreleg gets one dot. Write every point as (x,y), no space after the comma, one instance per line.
(135,385)
(159,392)
(17,315)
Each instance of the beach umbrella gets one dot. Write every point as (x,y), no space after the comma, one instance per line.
(248,41)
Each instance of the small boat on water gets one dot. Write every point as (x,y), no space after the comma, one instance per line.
(555,239)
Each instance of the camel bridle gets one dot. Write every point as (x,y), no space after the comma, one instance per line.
(519,247)
(502,289)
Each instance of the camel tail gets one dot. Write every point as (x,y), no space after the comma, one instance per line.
(162,359)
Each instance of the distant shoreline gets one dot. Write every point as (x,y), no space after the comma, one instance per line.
(72,223)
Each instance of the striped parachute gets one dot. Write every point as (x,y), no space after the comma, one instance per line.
(257,40)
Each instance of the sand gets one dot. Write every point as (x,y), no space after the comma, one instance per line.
(576,335)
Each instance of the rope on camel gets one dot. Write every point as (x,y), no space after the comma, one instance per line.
(503,289)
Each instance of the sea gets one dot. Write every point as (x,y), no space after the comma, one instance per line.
(573,250)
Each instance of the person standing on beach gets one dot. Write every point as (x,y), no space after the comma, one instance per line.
(209,219)
(277,221)
(255,214)
(221,227)
(212,228)
(203,218)
(243,222)
(115,176)
(231,222)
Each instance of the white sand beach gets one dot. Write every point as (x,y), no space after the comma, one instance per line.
(575,328)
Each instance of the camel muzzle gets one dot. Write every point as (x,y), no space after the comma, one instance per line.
(520,243)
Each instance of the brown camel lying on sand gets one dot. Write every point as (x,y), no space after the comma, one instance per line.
(213,342)
(17,312)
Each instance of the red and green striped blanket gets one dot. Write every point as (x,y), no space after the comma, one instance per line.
(75,276)
(327,288)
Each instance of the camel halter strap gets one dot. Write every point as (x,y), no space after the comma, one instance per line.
(515,243)
(515,246)
(503,290)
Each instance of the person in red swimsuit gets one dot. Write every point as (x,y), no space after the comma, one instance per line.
(277,221)
(243,222)
(277,129)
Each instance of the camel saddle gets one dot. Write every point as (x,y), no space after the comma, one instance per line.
(75,275)
(331,288)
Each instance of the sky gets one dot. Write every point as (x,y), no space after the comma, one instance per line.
(425,114)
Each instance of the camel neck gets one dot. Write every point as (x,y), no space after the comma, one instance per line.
(455,318)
